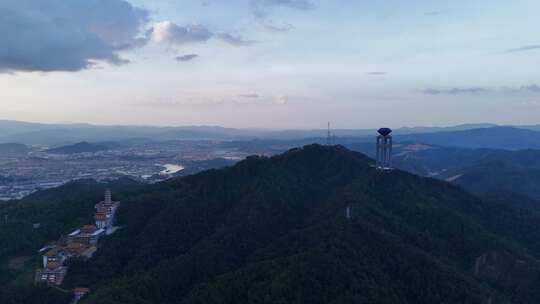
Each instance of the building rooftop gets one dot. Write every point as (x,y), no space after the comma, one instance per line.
(89,229)
(74,233)
(81,290)
(52,252)
(98,232)
(53,265)
(100,216)
(76,248)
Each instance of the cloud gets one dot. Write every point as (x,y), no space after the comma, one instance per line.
(527,104)
(524,48)
(234,40)
(167,31)
(434,13)
(296,4)
(282,99)
(272,27)
(67,35)
(172,33)
(531,88)
(249,95)
(260,9)
(376,73)
(185,58)
(454,91)
(79,34)
(201,99)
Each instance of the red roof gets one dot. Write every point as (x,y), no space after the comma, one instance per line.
(81,290)
(88,229)
(100,216)
(53,265)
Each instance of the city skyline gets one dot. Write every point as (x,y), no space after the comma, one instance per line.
(270,63)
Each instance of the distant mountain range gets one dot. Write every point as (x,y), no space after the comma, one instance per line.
(506,171)
(461,136)
(477,170)
(495,137)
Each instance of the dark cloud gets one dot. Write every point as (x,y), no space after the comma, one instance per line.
(454,91)
(59,35)
(524,48)
(376,73)
(185,58)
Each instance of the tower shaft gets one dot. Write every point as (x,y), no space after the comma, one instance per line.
(384,151)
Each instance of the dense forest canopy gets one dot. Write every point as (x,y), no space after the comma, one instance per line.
(276,230)
(40,218)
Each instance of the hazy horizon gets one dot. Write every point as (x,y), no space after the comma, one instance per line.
(323,126)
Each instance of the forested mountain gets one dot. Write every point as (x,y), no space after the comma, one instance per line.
(57,211)
(274,230)
(514,200)
(478,170)
(496,171)
(82,147)
(428,160)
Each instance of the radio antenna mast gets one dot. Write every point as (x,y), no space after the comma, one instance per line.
(329,136)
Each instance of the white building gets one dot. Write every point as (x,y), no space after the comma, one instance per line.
(106,211)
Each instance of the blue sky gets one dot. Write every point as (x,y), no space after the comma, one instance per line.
(270,63)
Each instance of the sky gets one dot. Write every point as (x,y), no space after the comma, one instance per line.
(270,63)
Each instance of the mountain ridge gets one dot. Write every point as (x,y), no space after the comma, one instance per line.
(277,230)
(231,235)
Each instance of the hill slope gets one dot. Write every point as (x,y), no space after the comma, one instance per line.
(275,231)
(13,149)
(58,211)
(508,171)
(82,147)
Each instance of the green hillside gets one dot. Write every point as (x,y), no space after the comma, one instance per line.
(506,171)
(274,230)
(58,211)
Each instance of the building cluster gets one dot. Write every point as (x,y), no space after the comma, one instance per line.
(81,243)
